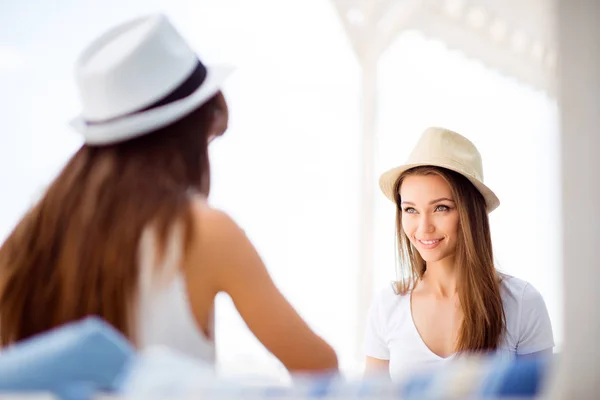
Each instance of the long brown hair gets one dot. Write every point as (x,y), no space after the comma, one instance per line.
(74,253)
(479,282)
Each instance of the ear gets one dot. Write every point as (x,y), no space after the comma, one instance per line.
(220,116)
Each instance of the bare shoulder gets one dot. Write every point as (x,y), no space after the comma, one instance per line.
(216,231)
(220,246)
(212,220)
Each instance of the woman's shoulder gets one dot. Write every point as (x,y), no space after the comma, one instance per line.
(389,297)
(215,235)
(202,210)
(528,324)
(511,286)
(214,225)
(514,289)
(518,295)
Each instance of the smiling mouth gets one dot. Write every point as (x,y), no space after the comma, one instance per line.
(429,244)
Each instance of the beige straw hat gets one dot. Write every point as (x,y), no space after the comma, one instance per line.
(443,148)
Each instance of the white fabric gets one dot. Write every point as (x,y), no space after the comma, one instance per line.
(391,333)
(138,124)
(164,314)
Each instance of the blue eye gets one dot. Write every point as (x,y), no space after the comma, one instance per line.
(442,208)
(410,210)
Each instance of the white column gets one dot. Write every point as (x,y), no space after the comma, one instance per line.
(367,186)
(578,374)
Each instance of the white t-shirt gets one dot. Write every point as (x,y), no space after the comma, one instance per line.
(391,333)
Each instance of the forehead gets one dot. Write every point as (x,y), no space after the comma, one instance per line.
(424,188)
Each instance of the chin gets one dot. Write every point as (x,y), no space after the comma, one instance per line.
(434,257)
(431,258)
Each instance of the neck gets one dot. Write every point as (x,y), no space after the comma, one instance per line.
(441,277)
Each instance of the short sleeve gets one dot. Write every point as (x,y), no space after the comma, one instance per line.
(535,332)
(375,344)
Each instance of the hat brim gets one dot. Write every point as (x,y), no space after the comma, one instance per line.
(389,178)
(136,125)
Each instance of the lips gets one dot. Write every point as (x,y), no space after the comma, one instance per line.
(429,244)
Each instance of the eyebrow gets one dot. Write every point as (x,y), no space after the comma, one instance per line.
(431,202)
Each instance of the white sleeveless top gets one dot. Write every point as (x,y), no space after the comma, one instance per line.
(164,314)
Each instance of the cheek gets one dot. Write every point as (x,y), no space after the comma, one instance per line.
(450,225)
(454,223)
(408,226)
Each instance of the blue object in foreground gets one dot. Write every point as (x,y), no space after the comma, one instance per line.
(523,378)
(484,378)
(73,362)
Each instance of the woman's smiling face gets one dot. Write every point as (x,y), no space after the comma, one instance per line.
(429,216)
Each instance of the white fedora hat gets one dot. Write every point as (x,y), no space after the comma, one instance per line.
(138,77)
(441,147)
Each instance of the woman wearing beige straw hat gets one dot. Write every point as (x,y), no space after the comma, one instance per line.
(124,232)
(449,298)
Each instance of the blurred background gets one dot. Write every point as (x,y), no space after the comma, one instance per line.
(327,95)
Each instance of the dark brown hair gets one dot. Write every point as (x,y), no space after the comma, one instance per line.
(74,253)
(479,282)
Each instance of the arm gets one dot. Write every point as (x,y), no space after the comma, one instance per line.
(232,264)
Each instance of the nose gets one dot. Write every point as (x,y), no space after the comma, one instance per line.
(425,224)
